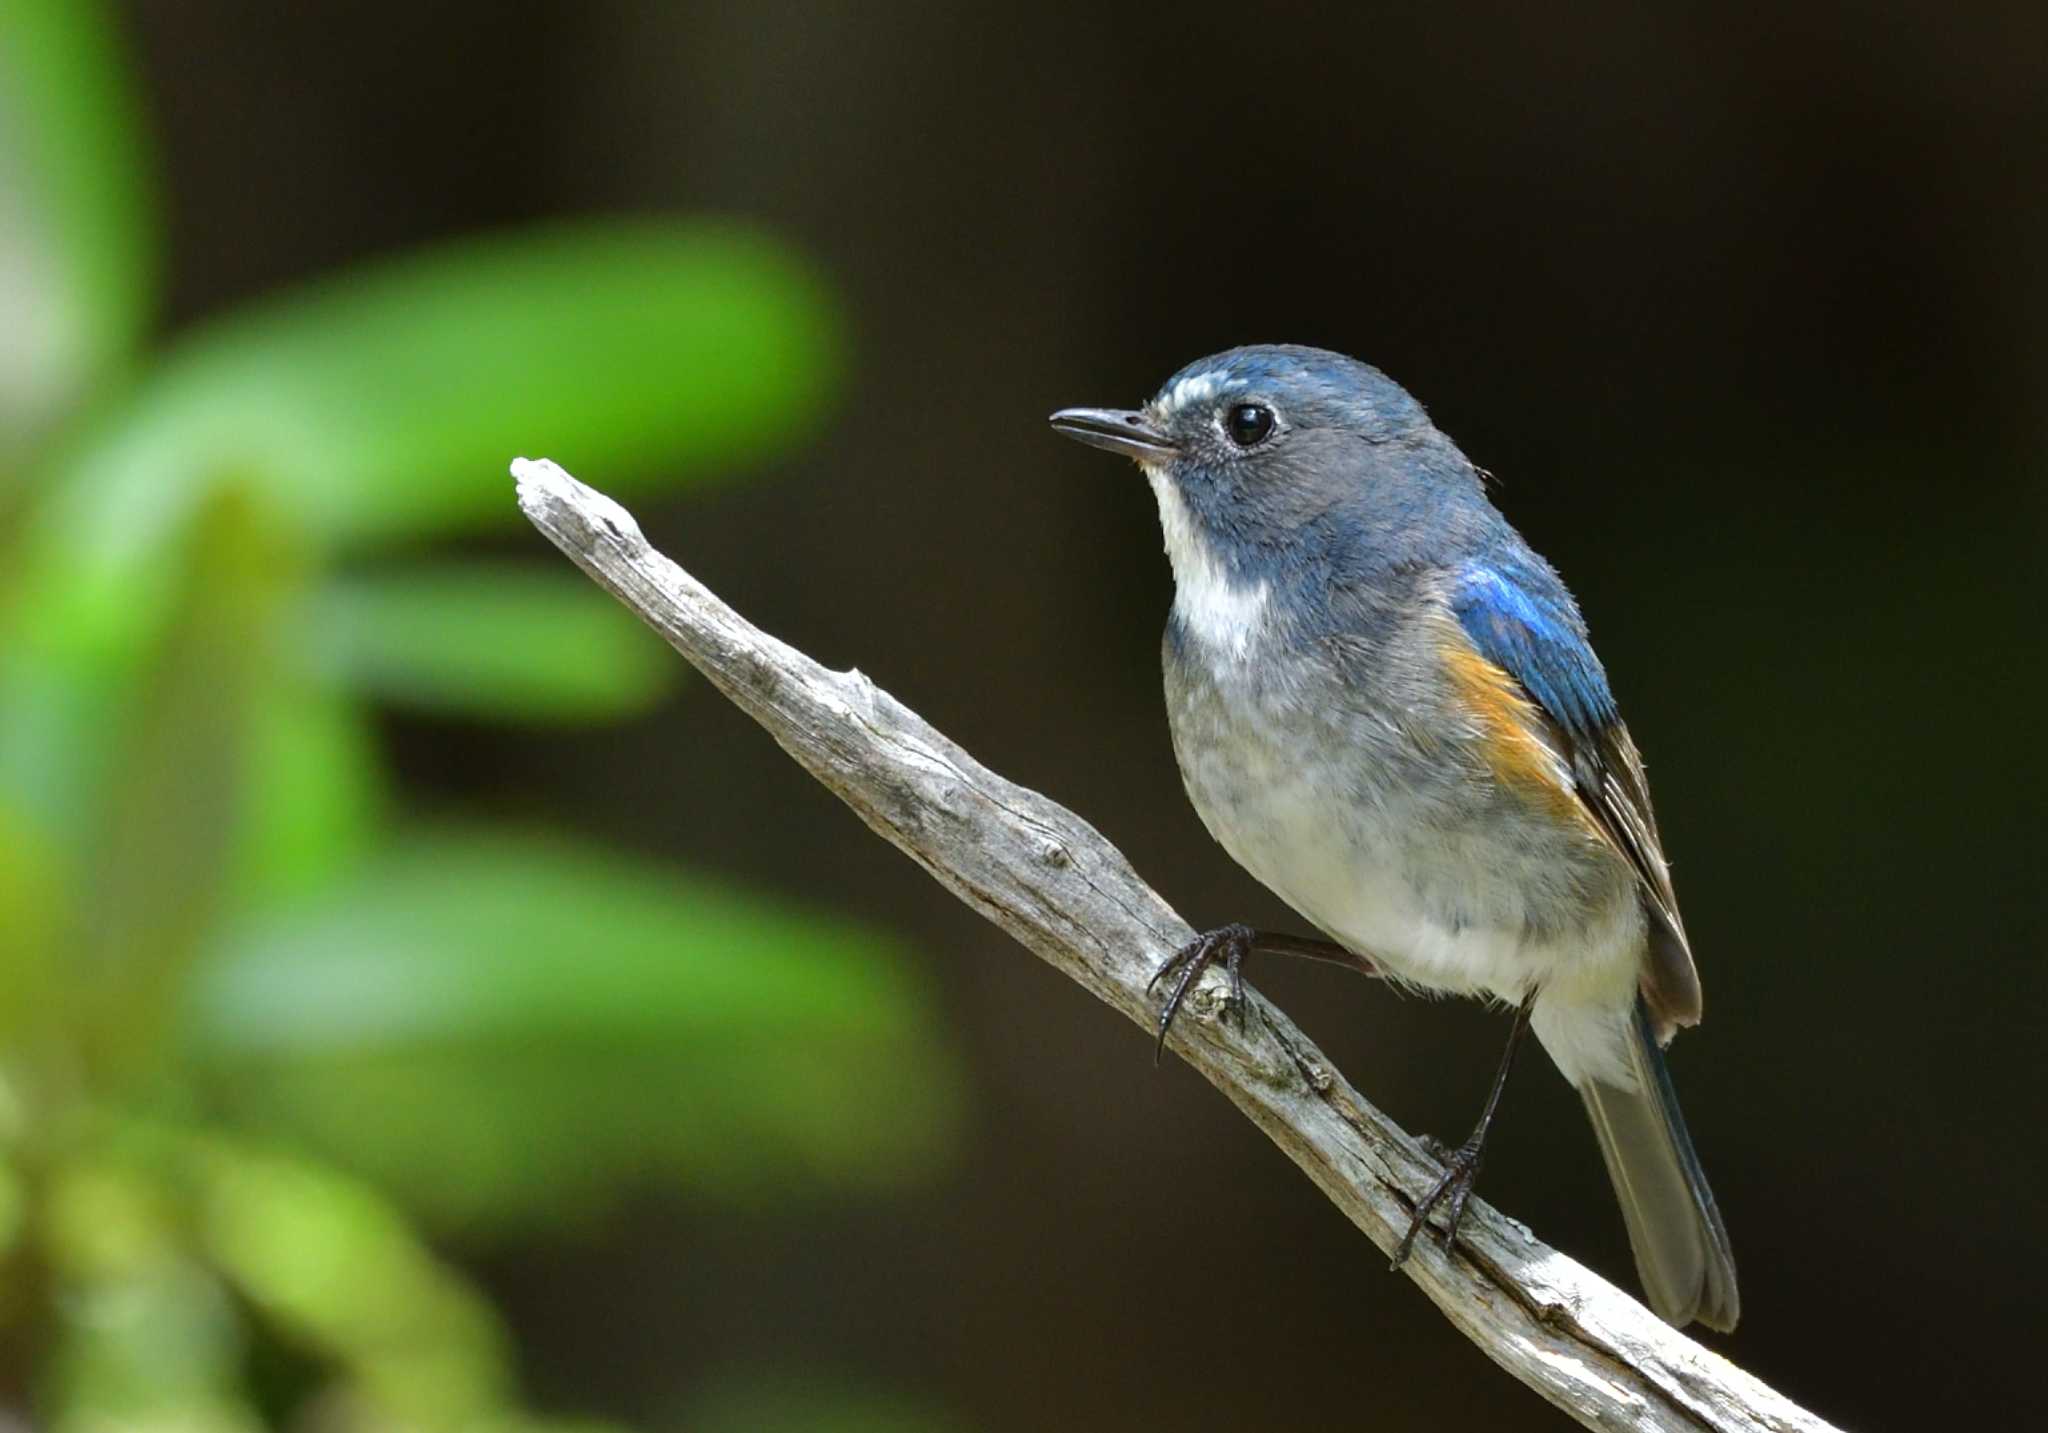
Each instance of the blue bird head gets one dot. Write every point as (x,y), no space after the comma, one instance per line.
(1276,453)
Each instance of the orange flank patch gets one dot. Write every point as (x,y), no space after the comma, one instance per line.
(1511,733)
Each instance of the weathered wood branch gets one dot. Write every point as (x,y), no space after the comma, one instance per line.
(1049,879)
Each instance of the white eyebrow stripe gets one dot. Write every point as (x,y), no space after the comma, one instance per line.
(1200,388)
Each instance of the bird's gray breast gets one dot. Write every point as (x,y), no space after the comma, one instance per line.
(1339,770)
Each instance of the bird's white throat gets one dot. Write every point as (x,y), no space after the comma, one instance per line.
(1218,614)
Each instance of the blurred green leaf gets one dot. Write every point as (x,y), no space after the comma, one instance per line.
(482,640)
(103,1220)
(180,1258)
(69,675)
(156,1352)
(14,1219)
(174,804)
(32,908)
(78,230)
(372,406)
(384,402)
(317,795)
(312,790)
(341,1272)
(56,725)
(507,1028)
(147,1337)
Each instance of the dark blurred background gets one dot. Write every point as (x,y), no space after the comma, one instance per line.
(1747,313)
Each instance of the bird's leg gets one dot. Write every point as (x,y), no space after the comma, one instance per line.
(1461,1165)
(1231,943)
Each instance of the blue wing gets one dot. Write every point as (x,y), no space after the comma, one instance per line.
(1522,620)
(1518,615)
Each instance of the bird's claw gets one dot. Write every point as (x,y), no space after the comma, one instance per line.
(1461,1172)
(1231,943)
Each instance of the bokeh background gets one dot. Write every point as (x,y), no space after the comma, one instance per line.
(423,1006)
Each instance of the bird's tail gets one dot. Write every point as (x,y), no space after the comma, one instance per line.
(1680,1245)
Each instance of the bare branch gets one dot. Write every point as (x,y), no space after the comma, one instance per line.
(1046,876)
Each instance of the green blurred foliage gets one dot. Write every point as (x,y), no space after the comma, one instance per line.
(417,1024)
(260,1032)
(375,406)
(78,229)
(486,641)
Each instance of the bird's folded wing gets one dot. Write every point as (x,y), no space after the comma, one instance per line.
(1519,619)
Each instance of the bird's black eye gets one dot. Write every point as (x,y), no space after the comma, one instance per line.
(1249,424)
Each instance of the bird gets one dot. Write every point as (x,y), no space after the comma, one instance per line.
(1386,707)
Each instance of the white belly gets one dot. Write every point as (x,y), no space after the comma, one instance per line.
(1441,906)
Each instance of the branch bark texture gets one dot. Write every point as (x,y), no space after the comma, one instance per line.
(1050,880)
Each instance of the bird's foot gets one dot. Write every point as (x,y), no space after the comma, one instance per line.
(1230,944)
(1461,1172)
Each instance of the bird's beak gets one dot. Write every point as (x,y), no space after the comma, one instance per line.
(1117,430)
